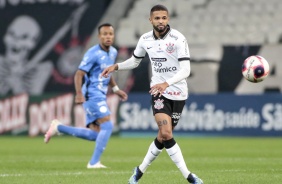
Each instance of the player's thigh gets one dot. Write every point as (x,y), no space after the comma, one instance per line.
(96,111)
(165,126)
(163,120)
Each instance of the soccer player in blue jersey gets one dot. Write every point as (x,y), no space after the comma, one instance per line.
(92,94)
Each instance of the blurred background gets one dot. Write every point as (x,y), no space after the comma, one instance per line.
(42,43)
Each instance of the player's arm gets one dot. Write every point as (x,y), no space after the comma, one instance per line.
(116,90)
(184,62)
(113,84)
(183,73)
(133,62)
(78,79)
(128,64)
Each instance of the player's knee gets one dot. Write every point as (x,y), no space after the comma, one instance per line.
(169,143)
(166,135)
(91,136)
(106,126)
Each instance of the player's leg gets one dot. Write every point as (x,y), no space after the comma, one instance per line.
(106,128)
(172,148)
(154,150)
(170,144)
(57,128)
(84,133)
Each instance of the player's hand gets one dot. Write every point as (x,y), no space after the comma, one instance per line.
(123,96)
(109,70)
(158,89)
(79,98)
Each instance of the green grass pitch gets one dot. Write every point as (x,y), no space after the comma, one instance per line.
(25,160)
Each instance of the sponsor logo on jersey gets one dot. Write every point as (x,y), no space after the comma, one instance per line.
(159,104)
(159,59)
(158,66)
(170,48)
(165,69)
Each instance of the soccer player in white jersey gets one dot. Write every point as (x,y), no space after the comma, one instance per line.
(92,94)
(170,59)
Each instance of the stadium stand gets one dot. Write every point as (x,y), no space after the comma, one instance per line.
(226,22)
(220,33)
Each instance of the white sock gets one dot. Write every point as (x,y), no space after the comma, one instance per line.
(152,154)
(176,156)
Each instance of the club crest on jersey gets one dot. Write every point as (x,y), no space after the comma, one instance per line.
(159,104)
(170,48)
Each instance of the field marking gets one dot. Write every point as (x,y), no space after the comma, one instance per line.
(9,175)
(65,174)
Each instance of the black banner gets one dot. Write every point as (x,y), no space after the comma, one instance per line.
(42,43)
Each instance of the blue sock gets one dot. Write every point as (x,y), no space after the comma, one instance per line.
(104,135)
(84,133)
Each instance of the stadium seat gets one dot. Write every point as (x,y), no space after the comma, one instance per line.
(204,21)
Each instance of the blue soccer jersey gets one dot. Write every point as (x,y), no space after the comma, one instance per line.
(95,60)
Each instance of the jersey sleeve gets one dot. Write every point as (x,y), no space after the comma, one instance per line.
(87,62)
(183,49)
(139,51)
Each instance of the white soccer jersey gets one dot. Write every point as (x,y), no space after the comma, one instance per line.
(165,54)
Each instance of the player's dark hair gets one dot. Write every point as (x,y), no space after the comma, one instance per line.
(158,7)
(104,25)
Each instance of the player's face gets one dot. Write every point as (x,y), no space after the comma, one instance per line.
(159,20)
(106,36)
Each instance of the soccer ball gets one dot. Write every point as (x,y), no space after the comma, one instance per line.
(255,69)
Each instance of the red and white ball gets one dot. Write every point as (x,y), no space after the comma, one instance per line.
(255,69)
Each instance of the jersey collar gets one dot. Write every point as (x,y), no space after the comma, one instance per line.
(103,49)
(164,35)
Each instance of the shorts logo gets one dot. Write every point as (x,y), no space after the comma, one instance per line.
(158,104)
(170,48)
(175,115)
(89,112)
(103,109)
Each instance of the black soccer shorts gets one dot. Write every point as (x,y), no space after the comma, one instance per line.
(173,108)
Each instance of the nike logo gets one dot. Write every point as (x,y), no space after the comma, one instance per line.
(149,47)
(154,154)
